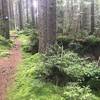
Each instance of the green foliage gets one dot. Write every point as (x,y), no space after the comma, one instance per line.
(5,42)
(87,41)
(29,38)
(64,41)
(80,35)
(64,67)
(78,93)
(29,87)
(5,45)
(34,42)
(24,39)
(88,45)
(93,40)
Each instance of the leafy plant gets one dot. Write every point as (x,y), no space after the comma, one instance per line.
(61,67)
(83,46)
(30,87)
(78,93)
(29,38)
(5,45)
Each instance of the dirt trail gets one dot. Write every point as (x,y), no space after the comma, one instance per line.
(8,68)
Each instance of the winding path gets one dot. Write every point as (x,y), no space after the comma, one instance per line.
(8,68)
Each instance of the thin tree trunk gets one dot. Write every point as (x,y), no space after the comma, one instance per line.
(11,15)
(20,15)
(92,17)
(27,14)
(5,19)
(32,12)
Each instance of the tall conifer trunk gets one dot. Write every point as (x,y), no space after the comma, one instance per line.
(47,24)
(92,17)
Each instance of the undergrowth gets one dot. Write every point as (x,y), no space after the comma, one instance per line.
(5,46)
(87,46)
(29,86)
(57,75)
(29,38)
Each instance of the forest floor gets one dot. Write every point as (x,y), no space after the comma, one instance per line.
(8,68)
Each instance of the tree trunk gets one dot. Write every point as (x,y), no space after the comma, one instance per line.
(20,15)
(92,17)
(0,17)
(27,14)
(51,23)
(5,19)
(32,12)
(42,24)
(47,24)
(11,15)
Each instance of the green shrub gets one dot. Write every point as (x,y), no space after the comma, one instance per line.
(5,42)
(64,67)
(93,40)
(77,47)
(78,93)
(85,46)
(64,41)
(20,32)
(94,83)
(5,46)
(80,35)
(29,38)
(34,42)
(28,87)
(87,41)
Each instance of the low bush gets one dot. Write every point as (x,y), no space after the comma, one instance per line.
(64,67)
(78,93)
(5,42)
(29,87)
(80,35)
(5,46)
(84,46)
(64,41)
(29,40)
(34,42)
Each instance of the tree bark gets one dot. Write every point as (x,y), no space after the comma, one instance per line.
(5,16)
(20,14)
(32,12)
(42,24)
(27,14)
(47,24)
(11,15)
(92,17)
(51,23)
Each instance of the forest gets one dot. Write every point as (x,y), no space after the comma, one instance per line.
(49,49)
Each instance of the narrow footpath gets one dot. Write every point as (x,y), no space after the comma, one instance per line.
(8,68)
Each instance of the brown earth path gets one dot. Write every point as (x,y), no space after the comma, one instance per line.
(8,68)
